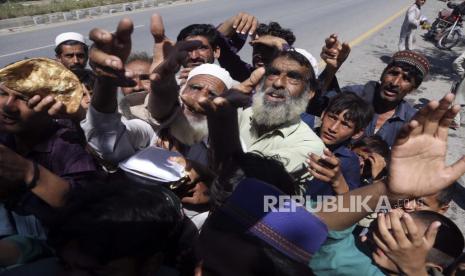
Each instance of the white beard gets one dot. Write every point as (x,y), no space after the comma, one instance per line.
(189,130)
(267,114)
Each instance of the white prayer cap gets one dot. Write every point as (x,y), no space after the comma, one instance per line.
(69,36)
(212,70)
(310,58)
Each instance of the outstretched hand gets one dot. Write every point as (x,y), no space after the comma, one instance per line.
(334,53)
(418,165)
(110,51)
(162,46)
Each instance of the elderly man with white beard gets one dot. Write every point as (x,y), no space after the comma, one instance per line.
(272,125)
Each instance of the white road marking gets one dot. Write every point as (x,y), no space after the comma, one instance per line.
(46,46)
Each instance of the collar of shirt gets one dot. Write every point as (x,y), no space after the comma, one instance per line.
(285,130)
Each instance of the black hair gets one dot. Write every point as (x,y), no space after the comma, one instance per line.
(449,242)
(59,50)
(410,69)
(358,111)
(252,165)
(123,219)
(274,29)
(139,56)
(445,196)
(375,144)
(87,77)
(303,61)
(207,30)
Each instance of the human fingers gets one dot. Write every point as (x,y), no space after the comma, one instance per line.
(253,26)
(57,109)
(438,110)
(446,120)
(45,104)
(123,38)
(415,237)
(157,28)
(32,102)
(431,233)
(398,230)
(384,232)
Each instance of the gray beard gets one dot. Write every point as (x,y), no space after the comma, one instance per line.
(188,129)
(269,115)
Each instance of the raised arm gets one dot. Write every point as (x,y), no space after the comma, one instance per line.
(417,167)
(333,53)
(107,57)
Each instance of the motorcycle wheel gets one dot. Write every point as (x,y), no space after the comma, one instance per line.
(449,40)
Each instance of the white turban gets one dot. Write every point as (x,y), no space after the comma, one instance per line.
(212,70)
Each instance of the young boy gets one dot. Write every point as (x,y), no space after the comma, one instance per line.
(338,170)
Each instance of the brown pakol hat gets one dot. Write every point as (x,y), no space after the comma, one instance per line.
(43,76)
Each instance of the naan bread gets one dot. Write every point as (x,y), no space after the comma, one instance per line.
(43,76)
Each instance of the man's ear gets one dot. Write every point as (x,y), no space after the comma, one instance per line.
(443,209)
(359,134)
(217,52)
(311,94)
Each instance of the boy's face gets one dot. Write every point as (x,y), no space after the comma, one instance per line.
(429,203)
(335,129)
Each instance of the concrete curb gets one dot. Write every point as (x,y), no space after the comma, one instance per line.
(79,14)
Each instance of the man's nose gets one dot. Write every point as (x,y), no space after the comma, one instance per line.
(397,80)
(333,128)
(280,82)
(10,104)
(194,54)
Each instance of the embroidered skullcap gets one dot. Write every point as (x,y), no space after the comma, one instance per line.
(212,70)
(414,59)
(289,228)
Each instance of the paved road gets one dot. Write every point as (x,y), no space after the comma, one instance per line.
(311,20)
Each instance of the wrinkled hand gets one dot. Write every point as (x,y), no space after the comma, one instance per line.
(110,50)
(242,23)
(14,169)
(418,166)
(334,53)
(408,250)
(327,169)
(269,40)
(48,104)
(162,46)
(250,84)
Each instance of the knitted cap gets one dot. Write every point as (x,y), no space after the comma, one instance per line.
(414,59)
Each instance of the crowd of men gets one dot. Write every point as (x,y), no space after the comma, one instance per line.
(242,132)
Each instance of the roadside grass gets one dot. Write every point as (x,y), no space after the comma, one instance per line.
(14,9)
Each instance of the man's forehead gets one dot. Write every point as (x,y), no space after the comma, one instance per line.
(73,48)
(287,64)
(200,38)
(204,79)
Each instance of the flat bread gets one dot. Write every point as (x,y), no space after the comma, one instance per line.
(43,76)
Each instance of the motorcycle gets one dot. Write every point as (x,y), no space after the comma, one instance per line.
(451,36)
(446,29)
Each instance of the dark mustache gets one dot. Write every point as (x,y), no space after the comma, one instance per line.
(393,88)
